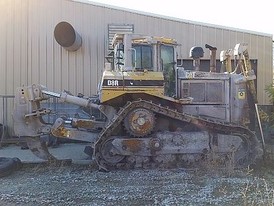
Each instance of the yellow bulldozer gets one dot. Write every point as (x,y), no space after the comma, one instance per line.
(153,113)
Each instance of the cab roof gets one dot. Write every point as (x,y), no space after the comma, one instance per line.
(139,39)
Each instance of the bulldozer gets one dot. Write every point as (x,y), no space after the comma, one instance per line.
(153,112)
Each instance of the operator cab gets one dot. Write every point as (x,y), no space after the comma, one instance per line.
(138,53)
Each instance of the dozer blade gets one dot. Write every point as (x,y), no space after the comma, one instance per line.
(39,149)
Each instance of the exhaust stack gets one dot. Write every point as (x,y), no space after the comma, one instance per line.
(212,57)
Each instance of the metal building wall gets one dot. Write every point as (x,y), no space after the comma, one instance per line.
(29,53)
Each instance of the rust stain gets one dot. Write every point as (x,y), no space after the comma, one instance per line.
(147,126)
(84,124)
(61,132)
(133,145)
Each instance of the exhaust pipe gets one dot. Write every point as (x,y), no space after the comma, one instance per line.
(212,57)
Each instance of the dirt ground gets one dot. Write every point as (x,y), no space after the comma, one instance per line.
(82,185)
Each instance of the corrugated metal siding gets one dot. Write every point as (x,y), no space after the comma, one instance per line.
(30,54)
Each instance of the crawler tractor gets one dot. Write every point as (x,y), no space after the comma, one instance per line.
(154,113)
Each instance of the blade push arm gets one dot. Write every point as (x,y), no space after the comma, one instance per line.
(27,115)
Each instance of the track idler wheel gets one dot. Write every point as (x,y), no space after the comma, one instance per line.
(110,153)
(139,122)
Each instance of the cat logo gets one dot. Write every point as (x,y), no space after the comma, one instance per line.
(190,75)
(112,83)
(241,94)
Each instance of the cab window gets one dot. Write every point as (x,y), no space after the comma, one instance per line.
(142,57)
(167,57)
(167,64)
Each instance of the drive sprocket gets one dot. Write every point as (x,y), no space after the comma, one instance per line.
(139,122)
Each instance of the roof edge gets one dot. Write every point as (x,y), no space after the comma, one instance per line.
(171,18)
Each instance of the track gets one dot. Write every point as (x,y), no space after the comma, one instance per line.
(246,154)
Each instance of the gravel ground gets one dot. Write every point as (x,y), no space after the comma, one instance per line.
(82,185)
